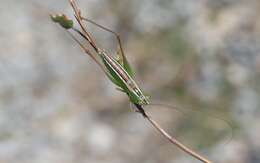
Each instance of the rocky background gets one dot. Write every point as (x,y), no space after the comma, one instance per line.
(200,55)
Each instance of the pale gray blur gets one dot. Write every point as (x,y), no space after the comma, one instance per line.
(56,106)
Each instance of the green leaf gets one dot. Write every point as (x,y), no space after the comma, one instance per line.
(62,20)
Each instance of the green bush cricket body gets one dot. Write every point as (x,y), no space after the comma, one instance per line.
(117,70)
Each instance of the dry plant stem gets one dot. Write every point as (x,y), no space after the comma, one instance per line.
(175,141)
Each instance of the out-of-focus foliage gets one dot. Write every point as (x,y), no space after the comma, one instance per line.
(57,106)
(62,20)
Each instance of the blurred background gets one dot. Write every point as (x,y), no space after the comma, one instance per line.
(200,55)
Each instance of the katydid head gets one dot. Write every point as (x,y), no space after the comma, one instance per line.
(62,20)
(144,100)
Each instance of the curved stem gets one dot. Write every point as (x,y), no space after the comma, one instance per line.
(174,140)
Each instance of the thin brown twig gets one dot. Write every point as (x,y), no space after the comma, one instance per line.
(78,17)
(171,138)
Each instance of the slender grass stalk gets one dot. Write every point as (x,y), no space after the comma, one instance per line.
(175,141)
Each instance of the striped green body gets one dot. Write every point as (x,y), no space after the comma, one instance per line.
(119,76)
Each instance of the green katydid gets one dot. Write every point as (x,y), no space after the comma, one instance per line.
(118,70)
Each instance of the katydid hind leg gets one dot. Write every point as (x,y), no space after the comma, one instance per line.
(120,52)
